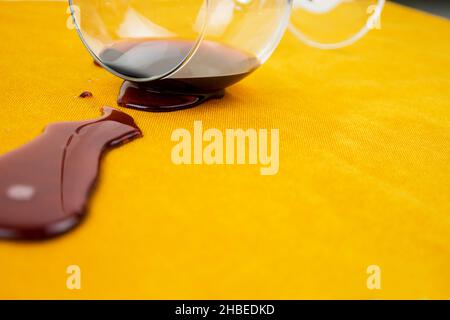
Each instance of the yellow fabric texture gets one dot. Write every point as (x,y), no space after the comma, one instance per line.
(363,180)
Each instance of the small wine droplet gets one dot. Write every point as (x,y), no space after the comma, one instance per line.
(86,94)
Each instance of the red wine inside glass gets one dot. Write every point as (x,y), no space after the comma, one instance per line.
(212,68)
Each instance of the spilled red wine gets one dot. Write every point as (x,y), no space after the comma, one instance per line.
(213,68)
(45,184)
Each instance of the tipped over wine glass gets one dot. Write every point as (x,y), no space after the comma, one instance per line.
(175,54)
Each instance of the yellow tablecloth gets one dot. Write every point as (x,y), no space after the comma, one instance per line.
(363,180)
